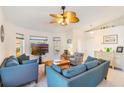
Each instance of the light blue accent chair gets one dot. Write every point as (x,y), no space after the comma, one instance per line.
(17,75)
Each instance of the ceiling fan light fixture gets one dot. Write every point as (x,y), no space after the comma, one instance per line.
(67,20)
(60,21)
(63,23)
(66,17)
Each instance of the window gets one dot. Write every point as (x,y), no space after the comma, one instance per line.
(38,39)
(56,45)
(20,45)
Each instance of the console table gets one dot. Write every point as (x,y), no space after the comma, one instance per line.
(63,63)
(106,56)
(116,59)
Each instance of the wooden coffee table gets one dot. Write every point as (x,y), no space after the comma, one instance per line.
(64,64)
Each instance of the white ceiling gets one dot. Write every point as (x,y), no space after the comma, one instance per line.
(37,17)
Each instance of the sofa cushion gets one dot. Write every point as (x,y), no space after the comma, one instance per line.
(91,64)
(11,62)
(89,59)
(69,73)
(56,68)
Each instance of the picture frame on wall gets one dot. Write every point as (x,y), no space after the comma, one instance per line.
(69,41)
(56,38)
(119,49)
(110,39)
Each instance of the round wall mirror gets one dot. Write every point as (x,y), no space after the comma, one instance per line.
(2,33)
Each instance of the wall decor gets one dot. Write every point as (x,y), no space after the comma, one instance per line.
(2,33)
(110,39)
(56,45)
(119,49)
(69,41)
(108,49)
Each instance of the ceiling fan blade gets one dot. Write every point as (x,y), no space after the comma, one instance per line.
(73,19)
(51,22)
(56,15)
(56,20)
(69,14)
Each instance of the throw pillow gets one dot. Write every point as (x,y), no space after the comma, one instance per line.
(56,68)
(92,64)
(7,59)
(22,58)
(11,62)
(13,57)
(69,73)
(89,59)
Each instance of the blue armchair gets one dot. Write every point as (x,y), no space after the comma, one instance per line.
(18,75)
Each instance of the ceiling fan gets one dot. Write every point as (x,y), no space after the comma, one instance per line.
(65,18)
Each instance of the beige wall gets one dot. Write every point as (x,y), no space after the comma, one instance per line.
(96,39)
(89,42)
(9,46)
(2,45)
(79,40)
(12,29)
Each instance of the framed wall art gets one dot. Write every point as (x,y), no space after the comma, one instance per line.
(69,41)
(119,49)
(110,39)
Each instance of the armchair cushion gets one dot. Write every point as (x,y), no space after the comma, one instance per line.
(69,73)
(56,68)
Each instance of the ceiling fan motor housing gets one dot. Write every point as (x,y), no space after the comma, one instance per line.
(63,7)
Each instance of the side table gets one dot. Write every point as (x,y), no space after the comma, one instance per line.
(41,71)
